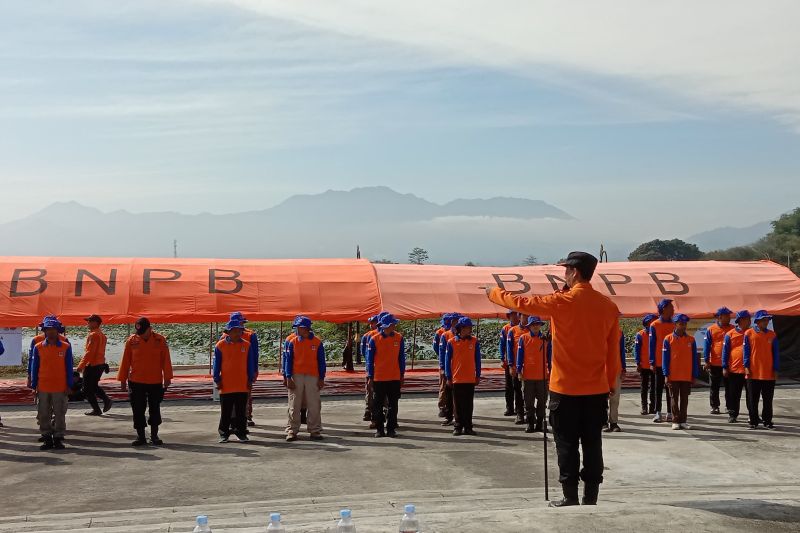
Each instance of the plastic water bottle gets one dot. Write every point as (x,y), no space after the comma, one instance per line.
(346,524)
(275,523)
(202,525)
(409,523)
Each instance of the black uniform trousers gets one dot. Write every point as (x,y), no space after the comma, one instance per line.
(233,414)
(464,403)
(145,396)
(648,389)
(660,383)
(91,385)
(577,422)
(715,376)
(734,384)
(761,389)
(385,392)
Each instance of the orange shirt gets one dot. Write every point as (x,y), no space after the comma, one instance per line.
(534,350)
(94,352)
(760,353)
(585,330)
(733,351)
(679,358)
(715,336)
(386,358)
(658,332)
(232,366)
(463,360)
(512,339)
(52,367)
(145,361)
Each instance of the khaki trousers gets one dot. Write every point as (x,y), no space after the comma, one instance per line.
(52,413)
(305,394)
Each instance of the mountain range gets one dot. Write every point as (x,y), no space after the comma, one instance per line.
(728,237)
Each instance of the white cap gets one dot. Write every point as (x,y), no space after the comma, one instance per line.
(202,520)
(410,508)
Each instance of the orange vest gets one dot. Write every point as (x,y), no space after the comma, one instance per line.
(462,364)
(736,355)
(386,359)
(717,334)
(233,368)
(304,353)
(52,376)
(535,352)
(681,358)
(145,361)
(662,330)
(761,356)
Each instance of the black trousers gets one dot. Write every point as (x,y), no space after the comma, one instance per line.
(233,414)
(715,376)
(734,384)
(661,388)
(514,400)
(577,421)
(91,387)
(145,396)
(464,401)
(761,389)
(509,390)
(648,388)
(449,402)
(385,392)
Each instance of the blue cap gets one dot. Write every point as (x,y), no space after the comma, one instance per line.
(45,318)
(680,317)
(464,322)
(663,303)
(744,313)
(373,318)
(447,319)
(275,517)
(761,314)
(232,324)
(301,321)
(649,317)
(410,508)
(202,520)
(237,315)
(533,319)
(382,314)
(345,513)
(50,321)
(723,311)
(388,320)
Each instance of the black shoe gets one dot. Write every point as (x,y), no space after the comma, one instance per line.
(471,432)
(93,413)
(769,426)
(457,432)
(519,421)
(615,428)
(643,411)
(367,416)
(530,429)
(447,422)
(58,444)
(140,441)
(715,411)
(731,420)
(379,434)
(608,428)
(509,412)
(316,437)
(41,439)
(752,426)
(538,427)
(223,439)
(291,437)
(154,440)
(391,433)
(442,414)
(590,492)
(250,423)
(107,403)
(47,443)
(570,497)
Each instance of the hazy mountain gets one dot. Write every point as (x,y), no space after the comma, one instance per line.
(385,223)
(727,237)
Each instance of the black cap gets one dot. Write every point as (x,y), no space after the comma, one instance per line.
(94,318)
(583,261)
(143,322)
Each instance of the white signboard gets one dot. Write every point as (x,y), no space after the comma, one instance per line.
(12,342)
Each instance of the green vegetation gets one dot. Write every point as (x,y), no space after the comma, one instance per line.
(672,250)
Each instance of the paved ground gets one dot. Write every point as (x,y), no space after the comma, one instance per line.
(715,477)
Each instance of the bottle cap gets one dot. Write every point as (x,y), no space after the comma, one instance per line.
(275,517)
(345,513)
(410,508)
(202,520)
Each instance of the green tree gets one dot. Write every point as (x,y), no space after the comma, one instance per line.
(418,256)
(787,224)
(383,262)
(672,250)
(531,260)
(469,264)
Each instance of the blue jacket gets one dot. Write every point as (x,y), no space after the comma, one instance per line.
(35,366)
(288,366)
(667,354)
(370,358)
(252,363)
(448,360)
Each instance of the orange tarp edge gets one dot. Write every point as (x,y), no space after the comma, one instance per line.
(341,290)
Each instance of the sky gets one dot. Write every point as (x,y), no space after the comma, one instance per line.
(650,119)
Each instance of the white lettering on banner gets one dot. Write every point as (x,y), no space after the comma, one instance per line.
(12,342)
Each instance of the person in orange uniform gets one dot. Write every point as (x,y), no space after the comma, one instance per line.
(614,398)
(234,370)
(681,366)
(450,414)
(585,331)
(533,360)
(761,363)
(251,337)
(446,324)
(372,322)
(659,329)
(39,338)
(462,367)
(386,368)
(712,353)
(305,369)
(93,365)
(145,372)
(303,410)
(513,320)
(733,365)
(641,354)
(512,338)
(51,378)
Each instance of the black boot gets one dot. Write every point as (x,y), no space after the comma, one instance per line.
(58,443)
(570,497)
(590,492)
(154,440)
(47,443)
(141,440)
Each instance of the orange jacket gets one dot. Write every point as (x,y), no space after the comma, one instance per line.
(733,351)
(641,349)
(658,332)
(145,361)
(761,353)
(712,345)
(94,352)
(585,330)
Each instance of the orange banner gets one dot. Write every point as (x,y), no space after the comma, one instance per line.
(341,290)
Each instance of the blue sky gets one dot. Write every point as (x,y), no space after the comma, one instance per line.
(646,120)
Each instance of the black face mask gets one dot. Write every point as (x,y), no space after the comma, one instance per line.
(141,330)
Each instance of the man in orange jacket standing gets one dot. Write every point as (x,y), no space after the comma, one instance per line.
(712,353)
(761,363)
(145,372)
(585,366)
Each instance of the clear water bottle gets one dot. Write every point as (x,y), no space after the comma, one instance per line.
(202,525)
(409,523)
(346,524)
(275,523)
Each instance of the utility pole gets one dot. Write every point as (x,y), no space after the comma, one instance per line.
(175,248)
